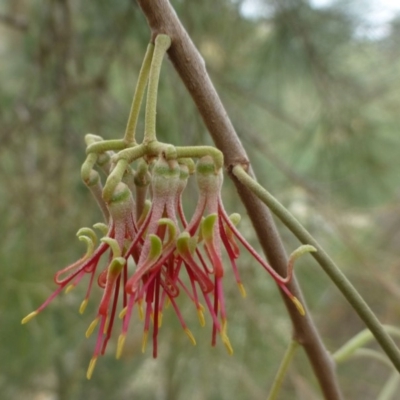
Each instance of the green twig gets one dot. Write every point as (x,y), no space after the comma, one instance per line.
(138,96)
(331,269)
(373,355)
(200,151)
(106,145)
(287,358)
(113,179)
(360,340)
(162,44)
(87,167)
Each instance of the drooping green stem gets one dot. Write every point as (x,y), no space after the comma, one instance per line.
(360,340)
(131,154)
(390,388)
(138,96)
(200,151)
(373,355)
(162,44)
(113,179)
(287,358)
(106,145)
(328,265)
(87,167)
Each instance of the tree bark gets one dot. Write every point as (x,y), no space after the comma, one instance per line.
(191,68)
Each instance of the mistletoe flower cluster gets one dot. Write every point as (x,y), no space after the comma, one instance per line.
(152,253)
(166,250)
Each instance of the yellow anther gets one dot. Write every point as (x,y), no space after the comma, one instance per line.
(82,308)
(144,340)
(298,305)
(90,369)
(242,290)
(160,317)
(224,326)
(200,314)
(29,317)
(92,327)
(123,313)
(106,325)
(69,288)
(190,335)
(140,308)
(227,343)
(120,345)
(167,303)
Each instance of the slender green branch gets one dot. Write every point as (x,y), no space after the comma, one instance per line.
(389,389)
(162,44)
(332,270)
(373,355)
(200,151)
(360,340)
(113,179)
(189,164)
(130,131)
(287,358)
(90,138)
(106,145)
(131,154)
(87,167)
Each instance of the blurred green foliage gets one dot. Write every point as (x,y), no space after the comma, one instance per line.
(316,106)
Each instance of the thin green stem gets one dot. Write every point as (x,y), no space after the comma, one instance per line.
(373,355)
(189,163)
(87,167)
(328,265)
(131,154)
(106,145)
(151,149)
(113,179)
(287,358)
(360,340)
(90,138)
(162,44)
(200,151)
(130,131)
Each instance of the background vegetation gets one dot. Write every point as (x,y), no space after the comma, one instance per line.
(314,96)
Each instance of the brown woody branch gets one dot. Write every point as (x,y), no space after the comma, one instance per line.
(191,68)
